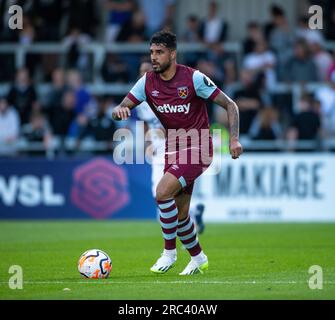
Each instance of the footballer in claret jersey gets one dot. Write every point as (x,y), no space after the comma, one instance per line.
(176,94)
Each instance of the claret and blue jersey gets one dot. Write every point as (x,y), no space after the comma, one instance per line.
(178,103)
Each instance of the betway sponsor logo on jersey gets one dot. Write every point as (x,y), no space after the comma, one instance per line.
(180,108)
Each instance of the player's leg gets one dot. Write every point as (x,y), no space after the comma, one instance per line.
(188,236)
(167,188)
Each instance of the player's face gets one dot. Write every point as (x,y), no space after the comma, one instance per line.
(161,57)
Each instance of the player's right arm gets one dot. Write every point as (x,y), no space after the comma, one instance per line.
(122,111)
(134,98)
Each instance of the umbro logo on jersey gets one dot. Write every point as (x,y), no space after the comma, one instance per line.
(155,93)
(167,108)
(175,167)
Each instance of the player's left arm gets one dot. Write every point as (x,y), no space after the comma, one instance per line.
(234,123)
(206,89)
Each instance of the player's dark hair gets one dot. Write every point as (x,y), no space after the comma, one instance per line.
(166,38)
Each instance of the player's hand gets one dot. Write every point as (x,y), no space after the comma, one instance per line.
(235,149)
(121,113)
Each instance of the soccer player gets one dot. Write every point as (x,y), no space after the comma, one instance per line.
(176,95)
(157,137)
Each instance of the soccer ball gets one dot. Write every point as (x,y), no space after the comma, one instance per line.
(95,264)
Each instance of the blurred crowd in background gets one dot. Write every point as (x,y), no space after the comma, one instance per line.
(272,53)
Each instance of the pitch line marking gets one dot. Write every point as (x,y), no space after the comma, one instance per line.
(111,282)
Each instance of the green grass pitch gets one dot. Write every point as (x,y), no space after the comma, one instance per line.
(246,261)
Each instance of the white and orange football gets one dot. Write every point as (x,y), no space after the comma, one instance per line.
(95,264)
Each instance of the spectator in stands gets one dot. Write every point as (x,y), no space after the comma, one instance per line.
(248,99)
(192,32)
(254,34)
(306,124)
(37,130)
(303,31)
(57,90)
(170,16)
(101,127)
(75,58)
(262,62)
(83,15)
(266,125)
(281,39)
(28,34)
(301,66)
(134,31)
(83,97)
(9,128)
(213,29)
(119,14)
(326,96)
(276,13)
(158,14)
(114,69)
(212,32)
(62,117)
(85,105)
(22,95)
(192,35)
(48,15)
(322,59)
(230,72)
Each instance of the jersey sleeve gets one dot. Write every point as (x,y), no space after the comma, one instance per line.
(204,86)
(137,93)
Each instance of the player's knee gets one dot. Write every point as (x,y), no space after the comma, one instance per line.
(162,194)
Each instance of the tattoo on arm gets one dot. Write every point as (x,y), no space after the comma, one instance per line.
(127,103)
(122,110)
(233,114)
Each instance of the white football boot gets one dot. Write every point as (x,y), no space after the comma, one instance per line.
(165,262)
(198,264)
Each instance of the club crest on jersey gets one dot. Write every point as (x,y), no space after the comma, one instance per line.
(182,92)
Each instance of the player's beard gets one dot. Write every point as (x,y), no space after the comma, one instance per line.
(163,67)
